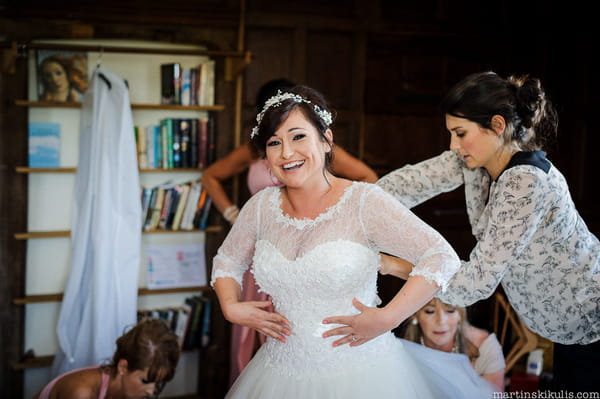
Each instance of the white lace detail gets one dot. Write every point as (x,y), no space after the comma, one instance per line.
(221,273)
(312,269)
(275,200)
(318,284)
(439,278)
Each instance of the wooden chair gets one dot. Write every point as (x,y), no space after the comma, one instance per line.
(516,339)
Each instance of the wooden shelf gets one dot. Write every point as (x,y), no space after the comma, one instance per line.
(56,104)
(26,169)
(57,297)
(34,362)
(67,233)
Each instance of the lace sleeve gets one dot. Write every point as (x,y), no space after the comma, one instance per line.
(392,228)
(235,254)
(414,184)
(518,205)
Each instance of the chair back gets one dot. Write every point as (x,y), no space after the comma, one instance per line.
(516,339)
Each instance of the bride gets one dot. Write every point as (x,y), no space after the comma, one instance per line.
(314,248)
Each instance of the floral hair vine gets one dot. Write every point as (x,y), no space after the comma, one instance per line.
(277,99)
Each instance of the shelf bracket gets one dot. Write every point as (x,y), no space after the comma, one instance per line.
(236,65)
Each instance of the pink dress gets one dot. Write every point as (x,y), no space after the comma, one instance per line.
(45,394)
(244,340)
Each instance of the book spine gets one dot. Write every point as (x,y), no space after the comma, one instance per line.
(185,132)
(176,143)
(203,142)
(194,143)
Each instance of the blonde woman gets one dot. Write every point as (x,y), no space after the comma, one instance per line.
(444,327)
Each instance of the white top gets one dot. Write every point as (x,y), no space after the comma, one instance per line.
(491,358)
(529,237)
(365,216)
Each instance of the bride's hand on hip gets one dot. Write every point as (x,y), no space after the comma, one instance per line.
(360,328)
(251,314)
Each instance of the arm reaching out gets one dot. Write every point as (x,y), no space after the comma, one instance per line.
(395,266)
(225,168)
(345,165)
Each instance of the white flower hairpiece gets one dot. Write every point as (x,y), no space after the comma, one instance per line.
(277,99)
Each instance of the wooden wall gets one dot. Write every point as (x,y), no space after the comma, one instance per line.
(384,66)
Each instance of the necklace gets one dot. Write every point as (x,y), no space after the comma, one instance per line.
(454,347)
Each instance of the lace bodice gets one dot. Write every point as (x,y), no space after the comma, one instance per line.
(312,268)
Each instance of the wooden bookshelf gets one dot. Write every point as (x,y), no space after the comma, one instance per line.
(57,297)
(67,233)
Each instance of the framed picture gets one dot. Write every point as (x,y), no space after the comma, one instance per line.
(61,75)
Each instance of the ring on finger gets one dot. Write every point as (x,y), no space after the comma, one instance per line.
(354,337)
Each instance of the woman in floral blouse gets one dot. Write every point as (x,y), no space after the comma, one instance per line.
(529,235)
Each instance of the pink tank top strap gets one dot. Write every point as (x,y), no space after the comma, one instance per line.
(104,386)
(45,394)
(259,176)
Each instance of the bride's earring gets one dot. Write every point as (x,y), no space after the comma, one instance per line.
(414,321)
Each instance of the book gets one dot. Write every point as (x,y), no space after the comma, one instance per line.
(205,325)
(194,131)
(205,213)
(170,75)
(158,142)
(168,132)
(146,197)
(44,145)
(191,335)
(183,320)
(203,142)
(187,220)
(185,189)
(142,146)
(186,87)
(150,146)
(165,144)
(211,151)
(207,83)
(184,149)
(164,212)
(150,210)
(175,196)
(200,208)
(156,209)
(176,147)
(194,82)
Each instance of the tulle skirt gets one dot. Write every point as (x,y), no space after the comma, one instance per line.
(408,370)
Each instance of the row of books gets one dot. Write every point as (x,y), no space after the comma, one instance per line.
(191,322)
(176,143)
(188,86)
(171,206)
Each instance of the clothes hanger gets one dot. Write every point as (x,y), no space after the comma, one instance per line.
(100,74)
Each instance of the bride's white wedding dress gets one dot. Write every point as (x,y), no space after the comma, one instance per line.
(312,268)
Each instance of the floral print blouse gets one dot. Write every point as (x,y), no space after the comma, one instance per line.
(529,237)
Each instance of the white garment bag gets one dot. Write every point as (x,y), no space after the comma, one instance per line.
(100,298)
